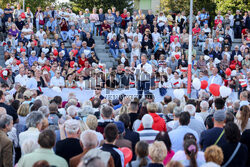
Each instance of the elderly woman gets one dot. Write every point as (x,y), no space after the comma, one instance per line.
(157,153)
(34,125)
(201,64)
(235,62)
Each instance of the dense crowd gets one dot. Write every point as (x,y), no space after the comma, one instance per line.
(55,48)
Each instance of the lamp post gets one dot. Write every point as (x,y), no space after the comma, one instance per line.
(190,49)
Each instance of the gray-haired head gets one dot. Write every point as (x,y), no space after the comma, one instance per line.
(190,109)
(147,121)
(2,111)
(72,126)
(177,112)
(72,110)
(5,120)
(106,111)
(159,108)
(44,110)
(88,110)
(204,105)
(34,118)
(89,139)
(236,105)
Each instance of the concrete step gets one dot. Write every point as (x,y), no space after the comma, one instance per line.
(238,40)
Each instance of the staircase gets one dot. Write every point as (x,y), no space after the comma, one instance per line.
(2,62)
(103,53)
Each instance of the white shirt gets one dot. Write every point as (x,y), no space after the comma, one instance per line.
(206,30)
(147,68)
(42,61)
(155,37)
(175,82)
(21,79)
(32,133)
(231,18)
(139,36)
(57,81)
(31,84)
(163,19)
(15,68)
(25,30)
(110,36)
(40,35)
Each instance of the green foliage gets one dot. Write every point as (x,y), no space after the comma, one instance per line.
(33,4)
(105,4)
(233,5)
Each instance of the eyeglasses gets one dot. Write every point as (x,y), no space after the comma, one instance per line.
(97,89)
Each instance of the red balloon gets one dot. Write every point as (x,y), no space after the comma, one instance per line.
(127,154)
(22,50)
(46,67)
(228,71)
(177,56)
(22,15)
(204,84)
(18,62)
(232,66)
(215,89)
(71,64)
(55,52)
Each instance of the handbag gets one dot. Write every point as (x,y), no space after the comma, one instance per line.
(41,22)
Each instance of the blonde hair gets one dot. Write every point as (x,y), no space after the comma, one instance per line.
(123,110)
(92,122)
(170,107)
(152,107)
(158,151)
(23,110)
(214,154)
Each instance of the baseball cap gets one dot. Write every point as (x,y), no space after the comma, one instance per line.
(120,126)
(219,115)
(27,94)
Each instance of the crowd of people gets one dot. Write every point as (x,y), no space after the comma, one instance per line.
(55,48)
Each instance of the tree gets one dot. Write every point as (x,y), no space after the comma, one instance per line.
(105,4)
(232,5)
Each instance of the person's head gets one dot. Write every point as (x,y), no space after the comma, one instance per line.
(6,123)
(191,149)
(89,139)
(106,112)
(219,117)
(157,151)
(184,118)
(163,136)
(219,103)
(110,133)
(72,127)
(98,90)
(190,109)
(72,111)
(143,59)
(96,102)
(125,119)
(34,119)
(53,108)
(204,106)
(244,96)
(23,110)
(47,139)
(58,73)
(232,132)
(92,122)
(147,121)
(214,154)
(243,116)
(167,99)
(152,107)
(141,151)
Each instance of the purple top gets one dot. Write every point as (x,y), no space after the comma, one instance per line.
(13,33)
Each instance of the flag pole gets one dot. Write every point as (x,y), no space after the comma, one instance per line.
(190,49)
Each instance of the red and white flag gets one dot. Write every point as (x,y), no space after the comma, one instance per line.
(176,83)
(184,69)
(243,83)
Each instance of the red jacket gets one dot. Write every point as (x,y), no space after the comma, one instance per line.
(159,123)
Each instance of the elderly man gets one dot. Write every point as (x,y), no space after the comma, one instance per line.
(32,58)
(106,114)
(196,122)
(21,77)
(215,78)
(244,98)
(34,125)
(46,140)
(6,146)
(70,146)
(89,142)
(148,134)
(204,106)
(57,80)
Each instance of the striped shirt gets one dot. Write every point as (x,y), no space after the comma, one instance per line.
(148,135)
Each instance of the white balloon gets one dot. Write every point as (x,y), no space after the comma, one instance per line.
(123,60)
(179,93)
(196,83)
(225,91)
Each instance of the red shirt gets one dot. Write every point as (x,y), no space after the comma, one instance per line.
(216,22)
(106,27)
(81,62)
(173,37)
(159,123)
(196,31)
(236,63)
(123,16)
